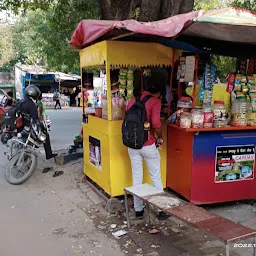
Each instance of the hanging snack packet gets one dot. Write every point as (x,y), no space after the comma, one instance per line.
(238,82)
(123,72)
(147,72)
(130,78)
(208,98)
(130,74)
(129,94)
(122,81)
(231,82)
(202,89)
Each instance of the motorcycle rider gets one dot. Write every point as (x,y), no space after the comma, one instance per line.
(9,101)
(28,107)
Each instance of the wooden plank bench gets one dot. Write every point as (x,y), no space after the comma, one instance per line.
(223,229)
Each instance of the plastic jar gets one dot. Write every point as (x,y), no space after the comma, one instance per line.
(239,112)
(185,120)
(208,116)
(184,105)
(219,112)
(197,117)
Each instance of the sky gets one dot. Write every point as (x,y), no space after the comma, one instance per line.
(6,17)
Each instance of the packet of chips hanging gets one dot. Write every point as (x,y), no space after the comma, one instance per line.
(123,72)
(130,79)
(130,74)
(129,94)
(238,82)
(202,89)
(122,81)
(231,82)
(147,72)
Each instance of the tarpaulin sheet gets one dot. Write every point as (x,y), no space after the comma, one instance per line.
(88,31)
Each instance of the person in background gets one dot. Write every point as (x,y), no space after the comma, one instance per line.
(41,108)
(86,97)
(78,97)
(149,152)
(9,101)
(18,97)
(57,100)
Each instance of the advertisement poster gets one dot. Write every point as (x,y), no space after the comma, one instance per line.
(235,163)
(95,152)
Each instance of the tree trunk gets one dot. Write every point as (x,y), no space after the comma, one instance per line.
(150,10)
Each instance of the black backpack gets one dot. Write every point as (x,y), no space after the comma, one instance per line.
(12,115)
(133,125)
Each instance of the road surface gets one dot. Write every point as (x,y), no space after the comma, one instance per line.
(65,125)
(46,215)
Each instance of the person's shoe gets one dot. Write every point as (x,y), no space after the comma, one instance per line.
(139,214)
(163,216)
(51,156)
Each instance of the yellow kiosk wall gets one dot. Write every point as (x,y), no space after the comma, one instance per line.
(115,172)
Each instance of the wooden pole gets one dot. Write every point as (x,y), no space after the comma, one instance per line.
(195,79)
(171,81)
(109,98)
(59,83)
(81,72)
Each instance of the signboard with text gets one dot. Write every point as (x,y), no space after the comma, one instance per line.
(234,163)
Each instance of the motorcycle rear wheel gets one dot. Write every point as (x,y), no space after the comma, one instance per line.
(5,137)
(29,163)
(2,126)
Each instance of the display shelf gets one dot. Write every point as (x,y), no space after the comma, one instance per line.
(226,128)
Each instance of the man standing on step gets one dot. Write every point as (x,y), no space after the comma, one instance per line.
(149,152)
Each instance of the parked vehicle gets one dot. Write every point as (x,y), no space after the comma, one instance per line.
(3,91)
(22,153)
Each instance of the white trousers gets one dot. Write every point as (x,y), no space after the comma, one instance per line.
(152,158)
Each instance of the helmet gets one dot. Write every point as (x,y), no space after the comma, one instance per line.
(33,91)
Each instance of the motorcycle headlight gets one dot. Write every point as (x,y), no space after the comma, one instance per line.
(42,137)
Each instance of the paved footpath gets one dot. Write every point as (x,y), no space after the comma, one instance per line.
(63,217)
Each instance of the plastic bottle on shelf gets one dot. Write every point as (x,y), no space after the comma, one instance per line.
(184,105)
(208,116)
(197,117)
(239,112)
(219,112)
(185,120)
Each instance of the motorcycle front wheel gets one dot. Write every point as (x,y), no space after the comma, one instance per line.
(21,167)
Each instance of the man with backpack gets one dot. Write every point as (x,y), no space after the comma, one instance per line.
(141,124)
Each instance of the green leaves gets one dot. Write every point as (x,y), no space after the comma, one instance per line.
(6,47)
(245,4)
(209,4)
(41,35)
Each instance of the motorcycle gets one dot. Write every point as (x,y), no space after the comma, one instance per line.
(2,124)
(23,151)
(2,114)
(8,133)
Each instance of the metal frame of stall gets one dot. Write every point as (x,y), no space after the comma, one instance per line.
(115,159)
